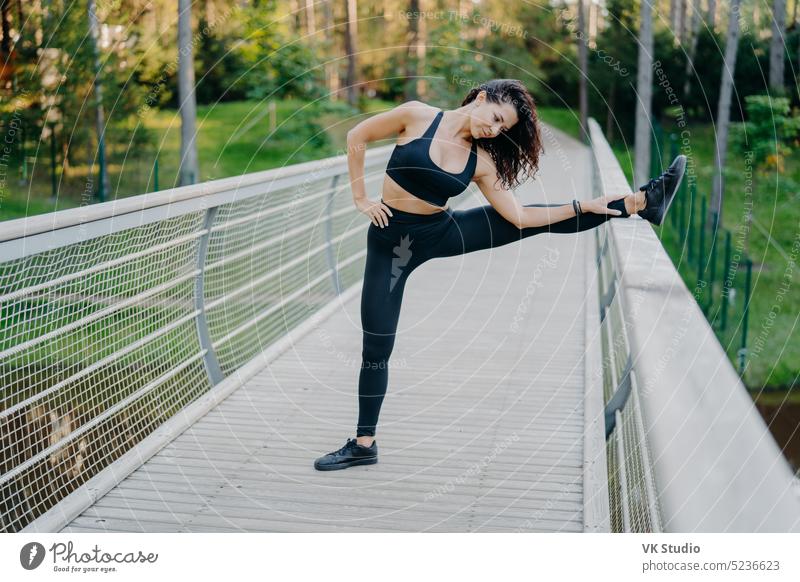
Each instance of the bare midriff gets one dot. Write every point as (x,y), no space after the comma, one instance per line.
(397,197)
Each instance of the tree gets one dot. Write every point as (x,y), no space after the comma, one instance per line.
(100,118)
(583,63)
(331,70)
(350,49)
(644,90)
(412,56)
(712,13)
(612,71)
(186,97)
(776,46)
(694,31)
(311,22)
(724,110)
(5,47)
(766,140)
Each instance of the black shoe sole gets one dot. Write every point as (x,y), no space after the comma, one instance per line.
(675,190)
(370,461)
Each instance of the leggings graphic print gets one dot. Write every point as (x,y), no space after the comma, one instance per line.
(393,252)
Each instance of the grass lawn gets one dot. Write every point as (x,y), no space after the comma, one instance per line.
(233,138)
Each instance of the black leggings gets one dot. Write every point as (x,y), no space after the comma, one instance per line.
(409,240)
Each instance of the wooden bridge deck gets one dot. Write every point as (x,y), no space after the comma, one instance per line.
(482,428)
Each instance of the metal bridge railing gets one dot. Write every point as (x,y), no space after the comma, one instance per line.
(115,317)
(686,449)
(632,496)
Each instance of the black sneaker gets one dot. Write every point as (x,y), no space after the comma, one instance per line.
(350,454)
(660,192)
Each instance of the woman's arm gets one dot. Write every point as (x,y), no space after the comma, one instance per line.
(378,126)
(508,206)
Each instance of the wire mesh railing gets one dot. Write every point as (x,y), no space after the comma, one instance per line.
(634,503)
(632,494)
(116,316)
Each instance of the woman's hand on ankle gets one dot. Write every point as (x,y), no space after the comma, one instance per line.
(599,205)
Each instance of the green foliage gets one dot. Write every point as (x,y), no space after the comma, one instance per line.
(770,131)
(453,63)
(277,65)
(219,68)
(612,67)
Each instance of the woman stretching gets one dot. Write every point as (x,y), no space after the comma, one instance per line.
(497,124)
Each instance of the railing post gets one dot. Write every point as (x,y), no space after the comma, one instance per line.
(701,244)
(607,298)
(682,216)
(155,174)
(53,183)
(619,398)
(210,359)
(743,350)
(603,251)
(329,236)
(690,227)
(713,258)
(23,167)
(701,250)
(727,282)
(673,152)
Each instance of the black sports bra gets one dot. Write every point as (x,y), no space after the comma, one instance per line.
(411,167)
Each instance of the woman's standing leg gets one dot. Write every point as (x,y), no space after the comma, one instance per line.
(391,256)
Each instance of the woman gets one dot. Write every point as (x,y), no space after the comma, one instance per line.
(497,124)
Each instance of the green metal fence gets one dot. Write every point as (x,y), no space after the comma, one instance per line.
(710,258)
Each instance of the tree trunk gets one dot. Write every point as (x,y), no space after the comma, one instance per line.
(294,10)
(331,68)
(724,110)
(311,22)
(776,46)
(695,32)
(612,96)
(103,189)
(211,13)
(5,47)
(37,9)
(350,48)
(673,9)
(644,90)
(189,172)
(412,63)
(583,61)
(712,14)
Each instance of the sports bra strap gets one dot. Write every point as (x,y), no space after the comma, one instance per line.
(434,124)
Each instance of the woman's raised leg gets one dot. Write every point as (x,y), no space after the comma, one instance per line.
(484,227)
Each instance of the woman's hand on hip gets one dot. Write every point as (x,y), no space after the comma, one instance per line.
(599,205)
(377,212)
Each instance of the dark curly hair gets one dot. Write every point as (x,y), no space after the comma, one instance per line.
(516,150)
